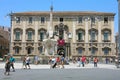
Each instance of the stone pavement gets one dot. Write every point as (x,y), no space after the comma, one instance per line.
(18,65)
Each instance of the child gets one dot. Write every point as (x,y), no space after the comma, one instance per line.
(7,67)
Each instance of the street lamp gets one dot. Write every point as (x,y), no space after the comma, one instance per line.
(10,29)
(69,40)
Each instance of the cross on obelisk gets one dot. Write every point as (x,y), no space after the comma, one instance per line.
(51,22)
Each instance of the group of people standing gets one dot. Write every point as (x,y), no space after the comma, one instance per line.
(83,60)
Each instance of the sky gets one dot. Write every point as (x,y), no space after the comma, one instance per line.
(7,6)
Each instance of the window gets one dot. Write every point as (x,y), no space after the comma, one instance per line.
(17,19)
(29,50)
(30,20)
(106,51)
(40,49)
(29,35)
(105,19)
(93,51)
(17,35)
(80,20)
(93,35)
(41,36)
(80,35)
(105,35)
(17,50)
(42,19)
(61,19)
(93,19)
(80,51)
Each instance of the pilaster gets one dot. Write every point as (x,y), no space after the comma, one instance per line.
(112,29)
(24,22)
(99,32)
(86,30)
(74,31)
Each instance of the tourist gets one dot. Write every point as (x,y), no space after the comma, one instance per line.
(95,62)
(36,58)
(58,61)
(24,62)
(27,61)
(62,61)
(7,67)
(50,61)
(83,59)
(12,60)
(79,62)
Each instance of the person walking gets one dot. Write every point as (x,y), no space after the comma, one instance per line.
(83,59)
(27,61)
(95,62)
(24,62)
(79,62)
(58,61)
(12,61)
(62,61)
(7,67)
(36,58)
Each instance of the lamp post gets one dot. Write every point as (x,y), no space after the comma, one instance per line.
(10,30)
(69,40)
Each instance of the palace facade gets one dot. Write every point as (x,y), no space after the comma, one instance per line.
(85,33)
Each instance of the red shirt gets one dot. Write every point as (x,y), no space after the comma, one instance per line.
(58,59)
(83,59)
(95,60)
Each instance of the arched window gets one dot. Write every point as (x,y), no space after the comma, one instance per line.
(29,50)
(93,51)
(17,50)
(106,35)
(80,35)
(80,50)
(42,34)
(30,33)
(93,35)
(106,51)
(40,49)
(17,35)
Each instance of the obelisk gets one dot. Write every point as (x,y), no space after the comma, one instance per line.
(119,26)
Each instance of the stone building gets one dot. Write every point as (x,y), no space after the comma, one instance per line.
(4,40)
(85,33)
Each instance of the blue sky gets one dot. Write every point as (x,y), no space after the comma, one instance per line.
(7,6)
